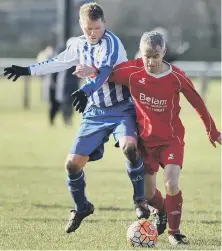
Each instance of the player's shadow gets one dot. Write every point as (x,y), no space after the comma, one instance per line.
(115,209)
(209,222)
(53,206)
(56,206)
(202,212)
(64,220)
(211,242)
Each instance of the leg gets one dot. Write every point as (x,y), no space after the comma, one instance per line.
(135,170)
(172,159)
(76,183)
(134,164)
(67,111)
(174,203)
(76,179)
(151,167)
(54,106)
(153,195)
(173,197)
(87,146)
(125,134)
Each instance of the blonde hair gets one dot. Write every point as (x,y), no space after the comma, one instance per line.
(91,10)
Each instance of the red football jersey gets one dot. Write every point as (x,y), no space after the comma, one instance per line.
(157,99)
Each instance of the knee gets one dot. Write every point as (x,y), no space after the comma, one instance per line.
(150,192)
(171,178)
(171,186)
(149,186)
(131,153)
(74,165)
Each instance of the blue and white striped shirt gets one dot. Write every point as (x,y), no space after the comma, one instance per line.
(104,55)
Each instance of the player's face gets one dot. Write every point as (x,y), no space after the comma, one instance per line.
(152,58)
(93,30)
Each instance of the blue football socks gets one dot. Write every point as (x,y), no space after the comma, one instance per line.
(76,184)
(136,174)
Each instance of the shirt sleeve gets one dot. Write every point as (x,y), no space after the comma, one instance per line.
(196,101)
(61,62)
(112,54)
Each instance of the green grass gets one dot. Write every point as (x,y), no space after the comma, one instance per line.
(35,202)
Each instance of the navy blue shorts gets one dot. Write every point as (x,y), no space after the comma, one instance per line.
(97,125)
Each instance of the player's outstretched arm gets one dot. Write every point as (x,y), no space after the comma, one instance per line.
(196,101)
(62,61)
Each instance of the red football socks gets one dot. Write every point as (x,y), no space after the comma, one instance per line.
(174,210)
(157,201)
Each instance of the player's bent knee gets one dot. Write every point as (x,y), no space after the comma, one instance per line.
(75,163)
(131,153)
(149,186)
(150,193)
(72,168)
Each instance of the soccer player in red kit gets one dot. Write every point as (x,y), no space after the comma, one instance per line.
(155,87)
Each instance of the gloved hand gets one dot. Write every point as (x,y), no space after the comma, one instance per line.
(16,71)
(79,100)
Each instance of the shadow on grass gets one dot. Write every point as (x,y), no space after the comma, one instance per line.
(55,167)
(27,167)
(64,220)
(113,209)
(214,242)
(119,209)
(111,170)
(209,222)
(202,212)
(97,220)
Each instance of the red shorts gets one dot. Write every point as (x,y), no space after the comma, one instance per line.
(161,155)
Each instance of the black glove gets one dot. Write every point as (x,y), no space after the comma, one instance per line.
(79,100)
(16,71)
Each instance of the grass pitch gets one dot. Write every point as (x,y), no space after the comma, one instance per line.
(35,202)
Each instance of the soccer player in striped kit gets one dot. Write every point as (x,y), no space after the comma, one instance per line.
(109,110)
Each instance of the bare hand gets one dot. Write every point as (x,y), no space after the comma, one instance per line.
(84,71)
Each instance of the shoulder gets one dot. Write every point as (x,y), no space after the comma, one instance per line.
(110,37)
(132,65)
(77,42)
(180,75)
(110,34)
(139,62)
(177,70)
(80,40)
